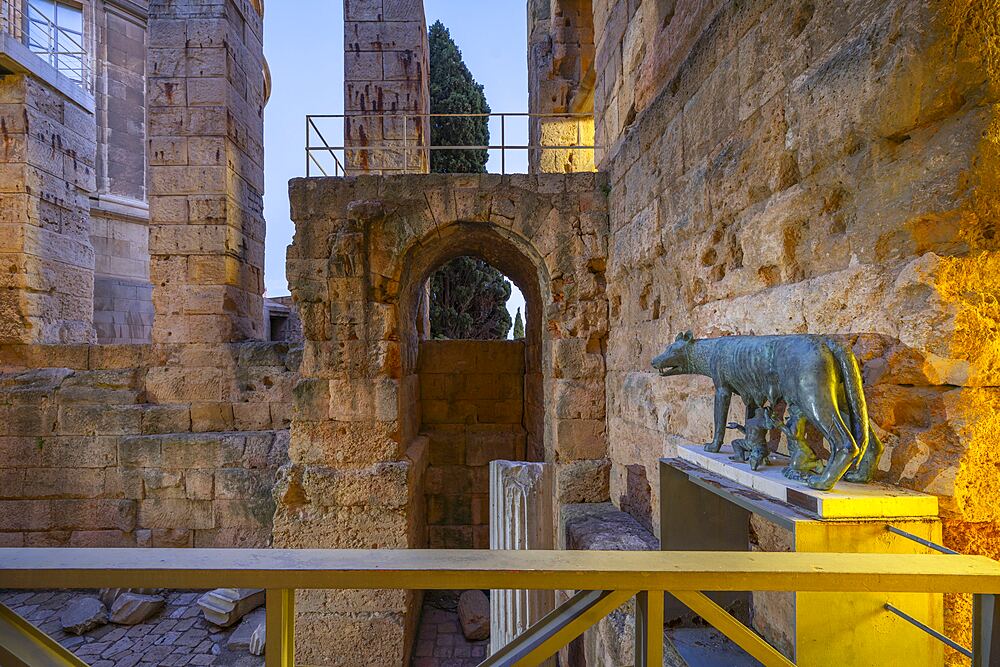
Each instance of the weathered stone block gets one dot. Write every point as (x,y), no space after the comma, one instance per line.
(176,513)
(583,481)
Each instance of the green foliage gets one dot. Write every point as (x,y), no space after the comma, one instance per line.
(454,91)
(468,301)
(518,325)
(468,296)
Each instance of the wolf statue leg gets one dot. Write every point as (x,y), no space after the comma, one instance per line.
(843,449)
(723,397)
(864,470)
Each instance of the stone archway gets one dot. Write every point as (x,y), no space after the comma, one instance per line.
(478,400)
(362,249)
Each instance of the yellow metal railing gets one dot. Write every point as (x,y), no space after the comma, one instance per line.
(605,581)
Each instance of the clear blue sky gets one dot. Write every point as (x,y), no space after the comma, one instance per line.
(304,44)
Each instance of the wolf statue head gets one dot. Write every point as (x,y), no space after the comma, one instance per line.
(676,359)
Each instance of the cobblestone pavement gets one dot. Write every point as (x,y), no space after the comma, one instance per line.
(176,637)
(440,642)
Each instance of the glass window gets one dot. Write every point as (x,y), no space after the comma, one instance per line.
(55,32)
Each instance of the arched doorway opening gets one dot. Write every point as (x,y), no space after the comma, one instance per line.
(476,400)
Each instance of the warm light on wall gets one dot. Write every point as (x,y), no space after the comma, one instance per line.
(577,131)
(971,284)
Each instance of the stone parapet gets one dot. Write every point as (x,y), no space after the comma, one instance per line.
(142,445)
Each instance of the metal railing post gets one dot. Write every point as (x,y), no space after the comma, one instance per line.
(308,145)
(503,143)
(279,648)
(985,631)
(649,629)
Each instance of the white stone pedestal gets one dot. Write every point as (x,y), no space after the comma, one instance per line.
(844,501)
(520,518)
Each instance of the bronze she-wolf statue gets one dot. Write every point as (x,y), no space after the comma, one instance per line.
(819,381)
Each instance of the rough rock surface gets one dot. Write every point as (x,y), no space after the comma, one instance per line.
(132,608)
(241,638)
(474,614)
(603,527)
(83,615)
(109,595)
(785,167)
(258,640)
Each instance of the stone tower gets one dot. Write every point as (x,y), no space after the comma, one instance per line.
(386,94)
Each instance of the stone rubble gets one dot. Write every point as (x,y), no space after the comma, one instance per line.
(132,608)
(241,638)
(258,640)
(109,595)
(474,614)
(83,615)
(226,606)
(177,636)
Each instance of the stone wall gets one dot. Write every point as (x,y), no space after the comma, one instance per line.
(386,71)
(472,412)
(46,178)
(785,167)
(561,78)
(123,295)
(112,446)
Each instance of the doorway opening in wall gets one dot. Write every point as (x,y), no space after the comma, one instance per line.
(472,394)
(480,388)
(464,403)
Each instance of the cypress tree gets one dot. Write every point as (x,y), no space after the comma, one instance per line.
(518,326)
(468,296)
(454,91)
(469,301)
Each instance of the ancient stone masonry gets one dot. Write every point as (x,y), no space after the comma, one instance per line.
(140,446)
(472,412)
(47,162)
(362,252)
(561,80)
(785,167)
(386,71)
(175,443)
(206,103)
